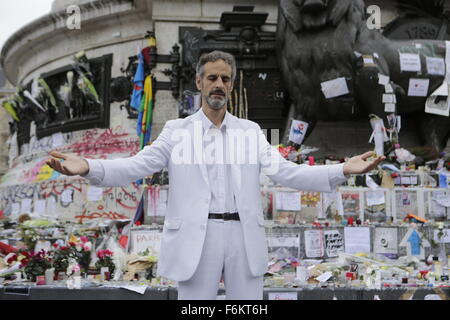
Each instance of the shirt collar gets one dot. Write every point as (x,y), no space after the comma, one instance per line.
(207,124)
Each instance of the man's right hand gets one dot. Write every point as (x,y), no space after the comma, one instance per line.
(71,166)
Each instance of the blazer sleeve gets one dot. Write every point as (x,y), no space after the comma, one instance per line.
(122,171)
(323,178)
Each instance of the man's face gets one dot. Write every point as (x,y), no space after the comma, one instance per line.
(216,84)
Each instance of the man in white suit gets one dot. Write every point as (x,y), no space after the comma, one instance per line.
(214,223)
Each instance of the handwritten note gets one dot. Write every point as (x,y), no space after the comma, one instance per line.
(25,206)
(357,240)
(143,239)
(436,66)
(334,243)
(335,88)
(314,243)
(289,201)
(39,207)
(67,196)
(410,62)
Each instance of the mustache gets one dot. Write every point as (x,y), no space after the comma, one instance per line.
(219,92)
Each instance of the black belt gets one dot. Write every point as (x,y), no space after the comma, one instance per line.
(224,216)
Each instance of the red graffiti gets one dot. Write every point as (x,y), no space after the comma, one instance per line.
(101,214)
(50,187)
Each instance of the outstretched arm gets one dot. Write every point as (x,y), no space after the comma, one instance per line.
(117,172)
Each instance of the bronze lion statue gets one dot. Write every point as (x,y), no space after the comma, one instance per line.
(323,40)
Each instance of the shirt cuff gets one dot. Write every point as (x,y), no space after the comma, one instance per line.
(96,171)
(336,175)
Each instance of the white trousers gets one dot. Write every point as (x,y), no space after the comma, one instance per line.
(223,251)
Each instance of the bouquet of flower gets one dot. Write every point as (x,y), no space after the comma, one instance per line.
(81,252)
(61,256)
(35,264)
(105,260)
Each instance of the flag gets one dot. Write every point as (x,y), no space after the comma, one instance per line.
(145,113)
(138,84)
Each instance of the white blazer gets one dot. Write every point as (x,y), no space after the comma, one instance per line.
(189,192)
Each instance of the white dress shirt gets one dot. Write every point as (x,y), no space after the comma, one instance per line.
(219,171)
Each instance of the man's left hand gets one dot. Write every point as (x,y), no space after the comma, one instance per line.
(360,164)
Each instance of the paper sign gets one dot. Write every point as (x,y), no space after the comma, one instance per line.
(15,208)
(410,62)
(25,206)
(57,140)
(445,237)
(51,206)
(389,107)
(334,243)
(418,87)
(357,240)
(283,241)
(39,207)
(374,198)
(42,245)
(388,89)
(282,295)
(389,98)
(386,240)
(157,203)
(94,193)
(335,88)
(382,79)
(289,201)
(298,131)
(66,196)
(143,239)
(436,66)
(314,243)
(368,60)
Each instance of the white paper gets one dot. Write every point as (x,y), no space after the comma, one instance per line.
(314,243)
(389,107)
(94,193)
(39,207)
(334,243)
(143,239)
(418,87)
(138,289)
(386,240)
(51,206)
(370,183)
(382,79)
(282,295)
(25,206)
(298,131)
(288,201)
(66,196)
(388,89)
(398,123)
(389,98)
(335,88)
(410,62)
(157,204)
(436,66)
(374,198)
(13,148)
(283,241)
(324,276)
(15,208)
(368,60)
(357,239)
(339,204)
(57,140)
(42,245)
(445,238)
(379,138)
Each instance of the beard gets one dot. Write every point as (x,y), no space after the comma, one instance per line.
(216,103)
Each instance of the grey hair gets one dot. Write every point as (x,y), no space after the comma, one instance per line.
(214,56)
